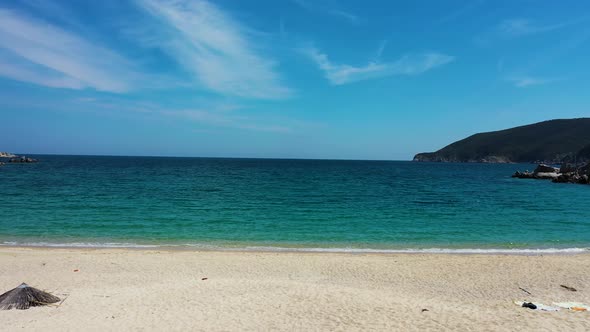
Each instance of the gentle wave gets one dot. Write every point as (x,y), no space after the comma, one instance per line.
(521,251)
(530,251)
(77,245)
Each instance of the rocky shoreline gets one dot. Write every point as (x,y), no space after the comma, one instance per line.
(7,155)
(432,157)
(10,158)
(567,173)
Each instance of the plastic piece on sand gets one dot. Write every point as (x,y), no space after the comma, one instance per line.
(546,307)
(574,306)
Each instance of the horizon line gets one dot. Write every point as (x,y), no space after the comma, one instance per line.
(199,157)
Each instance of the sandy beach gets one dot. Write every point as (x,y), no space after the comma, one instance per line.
(132,290)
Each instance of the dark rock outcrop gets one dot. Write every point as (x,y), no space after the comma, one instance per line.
(541,172)
(567,168)
(6,155)
(523,175)
(565,174)
(571,178)
(22,160)
(542,168)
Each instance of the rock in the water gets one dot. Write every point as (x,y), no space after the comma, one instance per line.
(541,172)
(567,168)
(542,168)
(565,174)
(547,175)
(571,178)
(6,155)
(523,175)
(22,159)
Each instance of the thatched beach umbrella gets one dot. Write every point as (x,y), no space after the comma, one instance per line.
(24,297)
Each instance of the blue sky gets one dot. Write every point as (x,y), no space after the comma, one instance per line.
(284,78)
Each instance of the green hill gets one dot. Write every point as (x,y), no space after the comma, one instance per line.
(550,141)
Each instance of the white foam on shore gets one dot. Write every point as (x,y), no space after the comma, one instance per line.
(507,251)
(77,245)
(530,251)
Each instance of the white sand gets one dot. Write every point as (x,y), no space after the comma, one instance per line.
(129,290)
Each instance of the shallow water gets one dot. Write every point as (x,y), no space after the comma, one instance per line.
(302,204)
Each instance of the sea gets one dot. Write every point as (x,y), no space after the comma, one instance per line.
(288,205)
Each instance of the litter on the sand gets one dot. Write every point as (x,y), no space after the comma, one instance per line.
(529,305)
(524,290)
(578,309)
(24,297)
(536,306)
(573,306)
(571,289)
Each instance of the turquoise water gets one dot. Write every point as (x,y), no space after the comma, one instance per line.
(253,203)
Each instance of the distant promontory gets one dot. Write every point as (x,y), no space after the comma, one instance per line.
(553,141)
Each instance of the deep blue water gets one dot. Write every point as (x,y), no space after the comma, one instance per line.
(287,203)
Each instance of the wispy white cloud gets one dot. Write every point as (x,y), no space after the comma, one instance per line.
(220,119)
(522,27)
(339,74)
(380,50)
(328,8)
(21,70)
(215,48)
(212,114)
(345,15)
(37,52)
(459,12)
(527,81)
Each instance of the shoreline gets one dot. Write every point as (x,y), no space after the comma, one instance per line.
(308,250)
(125,289)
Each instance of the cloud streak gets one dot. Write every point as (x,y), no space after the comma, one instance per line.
(215,48)
(461,11)
(37,52)
(408,65)
(320,6)
(520,27)
(220,119)
(523,27)
(527,81)
(206,113)
(213,51)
